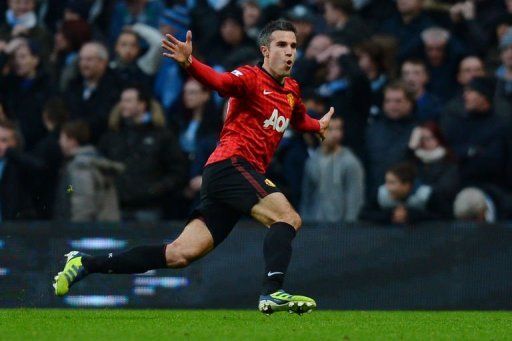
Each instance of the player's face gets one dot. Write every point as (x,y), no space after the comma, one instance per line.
(281,52)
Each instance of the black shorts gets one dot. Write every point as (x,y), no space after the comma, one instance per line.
(229,190)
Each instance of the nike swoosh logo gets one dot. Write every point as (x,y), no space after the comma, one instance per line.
(274,273)
(265,92)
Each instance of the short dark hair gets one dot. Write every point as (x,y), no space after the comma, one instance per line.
(404,171)
(13,127)
(8,125)
(276,25)
(143,93)
(346,6)
(416,61)
(399,85)
(78,130)
(56,111)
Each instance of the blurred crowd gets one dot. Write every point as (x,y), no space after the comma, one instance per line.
(95,125)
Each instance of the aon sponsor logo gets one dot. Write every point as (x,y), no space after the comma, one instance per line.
(277,122)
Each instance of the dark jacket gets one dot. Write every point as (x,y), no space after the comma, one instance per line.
(41,167)
(96,108)
(14,198)
(154,163)
(350,96)
(479,142)
(386,144)
(408,34)
(354,32)
(24,101)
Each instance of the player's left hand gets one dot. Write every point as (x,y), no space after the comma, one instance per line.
(324,123)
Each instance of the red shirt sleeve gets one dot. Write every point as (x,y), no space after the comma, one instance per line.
(228,84)
(301,121)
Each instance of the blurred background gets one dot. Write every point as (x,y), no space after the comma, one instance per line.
(102,143)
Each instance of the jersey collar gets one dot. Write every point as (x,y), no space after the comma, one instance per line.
(260,66)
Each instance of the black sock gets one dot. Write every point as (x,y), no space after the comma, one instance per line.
(277,250)
(137,260)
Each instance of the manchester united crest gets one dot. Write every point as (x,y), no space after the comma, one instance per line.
(291,100)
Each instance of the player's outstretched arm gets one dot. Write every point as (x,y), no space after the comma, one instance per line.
(180,51)
(324,123)
(225,83)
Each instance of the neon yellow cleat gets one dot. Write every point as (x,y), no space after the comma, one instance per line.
(282,301)
(73,272)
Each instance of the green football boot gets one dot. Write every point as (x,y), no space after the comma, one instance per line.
(282,301)
(73,272)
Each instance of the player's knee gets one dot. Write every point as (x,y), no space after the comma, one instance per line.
(176,257)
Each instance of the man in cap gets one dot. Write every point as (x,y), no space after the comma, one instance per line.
(477,135)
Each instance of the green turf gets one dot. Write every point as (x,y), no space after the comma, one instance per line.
(96,325)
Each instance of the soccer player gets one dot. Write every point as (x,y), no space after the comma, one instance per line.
(263,101)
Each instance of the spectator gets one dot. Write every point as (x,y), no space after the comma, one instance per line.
(402,199)
(202,122)
(504,72)
(347,89)
(42,164)
(307,67)
(129,65)
(415,76)
(333,185)
(472,204)
(477,135)
(86,190)
(130,12)
(49,154)
(21,22)
(434,160)
(406,26)
(303,20)
(155,167)
(27,80)
(14,197)
(345,27)
(469,67)
(387,138)
(467,28)
(252,18)
(69,38)
(375,60)
(90,96)
(442,54)
(169,81)
(234,47)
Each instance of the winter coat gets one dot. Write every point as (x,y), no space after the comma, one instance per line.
(24,101)
(386,144)
(154,163)
(14,194)
(479,142)
(86,190)
(95,109)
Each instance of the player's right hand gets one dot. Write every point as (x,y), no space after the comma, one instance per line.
(178,50)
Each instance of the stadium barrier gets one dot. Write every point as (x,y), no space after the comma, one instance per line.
(437,266)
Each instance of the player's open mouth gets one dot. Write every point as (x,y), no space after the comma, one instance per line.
(289,62)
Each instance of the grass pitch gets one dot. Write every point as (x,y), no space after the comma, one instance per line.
(52,324)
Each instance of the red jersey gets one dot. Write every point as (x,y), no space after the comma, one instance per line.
(259,111)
